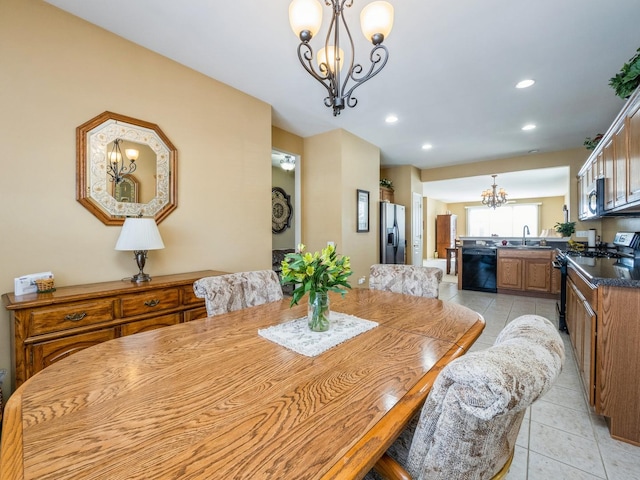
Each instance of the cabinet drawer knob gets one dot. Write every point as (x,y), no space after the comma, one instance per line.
(152,303)
(75,317)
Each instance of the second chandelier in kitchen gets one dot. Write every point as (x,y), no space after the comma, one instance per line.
(493,197)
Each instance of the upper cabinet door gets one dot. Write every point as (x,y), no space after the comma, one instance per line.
(609,185)
(633,165)
(620,165)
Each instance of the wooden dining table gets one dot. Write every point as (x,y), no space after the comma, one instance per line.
(212,399)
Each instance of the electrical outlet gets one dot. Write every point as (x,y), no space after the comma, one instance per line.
(361,280)
(582,233)
(333,244)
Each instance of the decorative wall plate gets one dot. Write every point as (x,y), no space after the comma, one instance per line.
(280,210)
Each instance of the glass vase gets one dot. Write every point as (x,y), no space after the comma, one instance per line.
(318,312)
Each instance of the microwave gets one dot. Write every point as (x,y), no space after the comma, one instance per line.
(595,201)
(595,204)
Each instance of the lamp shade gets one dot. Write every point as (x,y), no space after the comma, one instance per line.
(305,15)
(139,234)
(377,17)
(132,154)
(331,61)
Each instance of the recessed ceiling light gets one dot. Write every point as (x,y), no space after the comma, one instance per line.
(391,119)
(529,126)
(427,146)
(525,83)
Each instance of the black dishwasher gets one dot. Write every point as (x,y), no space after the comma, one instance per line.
(479,268)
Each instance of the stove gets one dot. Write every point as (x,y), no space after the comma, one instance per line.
(622,259)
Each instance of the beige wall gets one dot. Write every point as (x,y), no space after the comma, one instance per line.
(55,75)
(286,142)
(334,165)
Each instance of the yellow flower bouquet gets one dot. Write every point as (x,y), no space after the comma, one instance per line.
(317,274)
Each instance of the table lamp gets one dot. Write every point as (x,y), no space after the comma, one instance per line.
(139,235)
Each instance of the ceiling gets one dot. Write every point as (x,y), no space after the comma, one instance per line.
(450,78)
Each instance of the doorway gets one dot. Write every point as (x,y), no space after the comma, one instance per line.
(289,181)
(416,229)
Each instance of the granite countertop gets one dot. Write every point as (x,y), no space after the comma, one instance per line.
(607,271)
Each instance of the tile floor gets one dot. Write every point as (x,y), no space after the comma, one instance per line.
(561,437)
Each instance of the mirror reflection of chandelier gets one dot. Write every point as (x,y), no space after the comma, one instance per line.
(493,197)
(116,167)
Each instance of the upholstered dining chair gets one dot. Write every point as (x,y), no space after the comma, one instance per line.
(410,279)
(226,293)
(468,425)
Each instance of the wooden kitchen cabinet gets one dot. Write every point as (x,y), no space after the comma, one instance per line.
(509,272)
(609,185)
(617,160)
(604,330)
(48,327)
(386,194)
(526,271)
(446,231)
(633,156)
(620,165)
(537,274)
(581,323)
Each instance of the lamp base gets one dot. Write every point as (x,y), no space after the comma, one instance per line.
(141,257)
(141,277)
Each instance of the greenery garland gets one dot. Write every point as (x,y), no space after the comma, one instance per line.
(625,82)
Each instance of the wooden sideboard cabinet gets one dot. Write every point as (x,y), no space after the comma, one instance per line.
(47,327)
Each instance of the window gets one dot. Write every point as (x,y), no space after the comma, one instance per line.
(505,221)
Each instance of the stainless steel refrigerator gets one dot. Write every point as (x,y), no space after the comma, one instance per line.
(392,240)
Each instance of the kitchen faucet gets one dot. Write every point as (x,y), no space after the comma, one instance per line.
(525,231)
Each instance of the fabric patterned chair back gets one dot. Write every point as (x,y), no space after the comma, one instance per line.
(470,421)
(409,279)
(234,291)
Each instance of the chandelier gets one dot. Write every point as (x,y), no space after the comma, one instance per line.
(376,20)
(493,197)
(116,167)
(288,163)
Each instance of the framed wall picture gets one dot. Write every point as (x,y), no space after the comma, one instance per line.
(362,212)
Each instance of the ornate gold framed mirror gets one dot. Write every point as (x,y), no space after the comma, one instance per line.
(109,191)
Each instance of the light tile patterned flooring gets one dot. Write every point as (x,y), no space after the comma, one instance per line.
(561,437)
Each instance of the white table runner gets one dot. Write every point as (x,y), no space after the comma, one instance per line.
(296,335)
